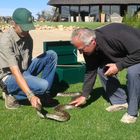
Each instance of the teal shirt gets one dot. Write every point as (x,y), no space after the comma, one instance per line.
(14,51)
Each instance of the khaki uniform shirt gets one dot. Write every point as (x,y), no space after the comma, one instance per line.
(14,51)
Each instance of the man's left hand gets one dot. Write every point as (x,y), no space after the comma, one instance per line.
(112,70)
(35,102)
(79,101)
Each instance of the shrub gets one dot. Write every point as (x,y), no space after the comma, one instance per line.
(133,21)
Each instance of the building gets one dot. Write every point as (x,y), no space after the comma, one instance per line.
(82,10)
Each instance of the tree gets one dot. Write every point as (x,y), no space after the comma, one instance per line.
(46,14)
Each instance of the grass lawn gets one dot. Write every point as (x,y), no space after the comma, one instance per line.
(91,25)
(89,123)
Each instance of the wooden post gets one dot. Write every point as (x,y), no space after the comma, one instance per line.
(102,17)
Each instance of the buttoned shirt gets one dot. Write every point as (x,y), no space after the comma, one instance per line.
(14,51)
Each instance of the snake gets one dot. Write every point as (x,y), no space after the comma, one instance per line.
(71,94)
(60,114)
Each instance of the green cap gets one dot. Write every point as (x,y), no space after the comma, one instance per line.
(23,17)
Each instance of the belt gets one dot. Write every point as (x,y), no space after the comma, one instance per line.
(4,78)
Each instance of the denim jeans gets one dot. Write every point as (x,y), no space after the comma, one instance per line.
(117,95)
(112,88)
(133,87)
(39,76)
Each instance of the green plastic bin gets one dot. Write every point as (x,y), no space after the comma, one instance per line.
(64,49)
(71,75)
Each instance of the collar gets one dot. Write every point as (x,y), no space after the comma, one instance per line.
(14,35)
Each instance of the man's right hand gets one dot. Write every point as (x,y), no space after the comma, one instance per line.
(35,102)
(79,101)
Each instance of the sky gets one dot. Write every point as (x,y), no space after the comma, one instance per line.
(35,6)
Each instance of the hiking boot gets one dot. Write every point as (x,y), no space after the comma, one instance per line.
(10,101)
(117,107)
(128,118)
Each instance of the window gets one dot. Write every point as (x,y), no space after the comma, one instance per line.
(131,9)
(94,11)
(84,9)
(65,11)
(115,9)
(74,10)
(106,9)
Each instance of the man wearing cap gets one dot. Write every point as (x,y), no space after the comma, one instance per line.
(18,71)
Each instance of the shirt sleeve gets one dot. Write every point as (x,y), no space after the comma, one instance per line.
(7,55)
(92,63)
(132,48)
(89,81)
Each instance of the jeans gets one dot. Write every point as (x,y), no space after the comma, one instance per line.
(44,65)
(117,95)
(133,87)
(112,88)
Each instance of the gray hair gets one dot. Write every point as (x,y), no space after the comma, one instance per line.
(83,34)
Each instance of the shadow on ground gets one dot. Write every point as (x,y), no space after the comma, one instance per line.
(97,93)
(48,101)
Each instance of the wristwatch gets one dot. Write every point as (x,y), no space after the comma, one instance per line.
(30,94)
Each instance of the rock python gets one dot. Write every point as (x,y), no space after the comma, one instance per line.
(75,94)
(59,115)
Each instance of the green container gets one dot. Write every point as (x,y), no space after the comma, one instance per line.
(66,73)
(64,49)
(71,75)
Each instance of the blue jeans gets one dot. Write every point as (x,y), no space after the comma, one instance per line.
(133,87)
(117,95)
(45,65)
(112,88)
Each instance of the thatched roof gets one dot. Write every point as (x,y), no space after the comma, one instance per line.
(87,2)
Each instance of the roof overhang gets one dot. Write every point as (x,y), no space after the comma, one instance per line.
(91,2)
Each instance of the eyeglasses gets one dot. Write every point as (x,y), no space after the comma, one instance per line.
(81,50)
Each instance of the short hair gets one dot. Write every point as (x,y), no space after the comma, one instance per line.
(83,34)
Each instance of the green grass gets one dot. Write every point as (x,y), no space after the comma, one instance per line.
(91,25)
(89,123)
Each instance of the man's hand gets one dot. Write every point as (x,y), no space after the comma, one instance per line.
(79,101)
(112,70)
(35,102)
